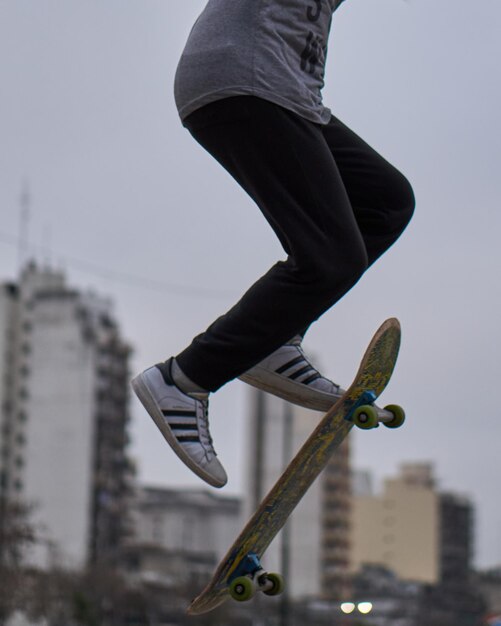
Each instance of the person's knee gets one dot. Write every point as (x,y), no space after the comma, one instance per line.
(332,269)
(354,264)
(402,203)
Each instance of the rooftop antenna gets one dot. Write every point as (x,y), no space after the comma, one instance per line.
(24,218)
(47,244)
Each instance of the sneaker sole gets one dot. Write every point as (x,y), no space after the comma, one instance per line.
(289,390)
(146,398)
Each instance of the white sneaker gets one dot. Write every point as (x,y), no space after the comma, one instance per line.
(184,422)
(288,374)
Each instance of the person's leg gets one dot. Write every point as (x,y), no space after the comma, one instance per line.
(285,164)
(382,201)
(381,198)
(335,205)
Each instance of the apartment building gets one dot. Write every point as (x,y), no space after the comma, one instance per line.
(414,530)
(63,435)
(180,534)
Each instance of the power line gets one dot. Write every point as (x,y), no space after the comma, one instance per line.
(106,273)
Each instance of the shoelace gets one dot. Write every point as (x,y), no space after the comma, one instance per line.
(205,436)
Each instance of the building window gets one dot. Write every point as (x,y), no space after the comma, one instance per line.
(157,530)
(4,480)
(24,371)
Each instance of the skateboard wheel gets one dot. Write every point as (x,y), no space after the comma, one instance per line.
(398,416)
(365,417)
(277,587)
(242,588)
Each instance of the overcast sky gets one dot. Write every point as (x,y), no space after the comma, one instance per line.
(128,204)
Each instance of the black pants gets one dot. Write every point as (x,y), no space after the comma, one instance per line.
(335,205)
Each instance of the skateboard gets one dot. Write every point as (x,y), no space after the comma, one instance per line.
(240,574)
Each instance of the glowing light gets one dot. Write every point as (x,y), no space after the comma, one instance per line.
(347,607)
(365,607)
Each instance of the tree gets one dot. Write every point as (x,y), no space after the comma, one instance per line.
(16,536)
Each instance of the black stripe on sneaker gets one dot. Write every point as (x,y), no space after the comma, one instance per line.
(309,380)
(187,439)
(182,426)
(286,366)
(300,372)
(178,413)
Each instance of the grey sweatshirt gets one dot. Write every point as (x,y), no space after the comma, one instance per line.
(273,49)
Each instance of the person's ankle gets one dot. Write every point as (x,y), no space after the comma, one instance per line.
(182,381)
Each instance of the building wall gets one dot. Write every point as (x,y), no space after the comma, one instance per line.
(10,428)
(489,583)
(60,435)
(190,521)
(60,355)
(456,539)
(336,520)
(399,529)
(113,470)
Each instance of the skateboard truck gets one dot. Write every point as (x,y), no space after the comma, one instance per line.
(366,415)
(250,577)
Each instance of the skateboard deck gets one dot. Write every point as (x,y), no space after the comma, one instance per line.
(240,570)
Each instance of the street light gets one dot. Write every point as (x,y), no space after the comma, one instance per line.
(363,607)
(348,607)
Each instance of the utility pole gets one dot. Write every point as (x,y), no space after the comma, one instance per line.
(258,486)
(259,452)
(286,535)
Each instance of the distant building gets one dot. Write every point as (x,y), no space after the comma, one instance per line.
(397,602)
(361,483)
(180,535)
(189,520)
(394,601)
(315,542)
(414,530)
(456,539)
(489,584)
(400,528)
(63,435)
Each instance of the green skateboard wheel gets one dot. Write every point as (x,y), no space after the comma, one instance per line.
(365,417)
(278,585)
(398,416)
(242,588)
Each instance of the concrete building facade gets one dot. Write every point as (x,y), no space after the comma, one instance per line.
(400,528)
(414,530)
(189,520)
(180,535)
(64,416)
